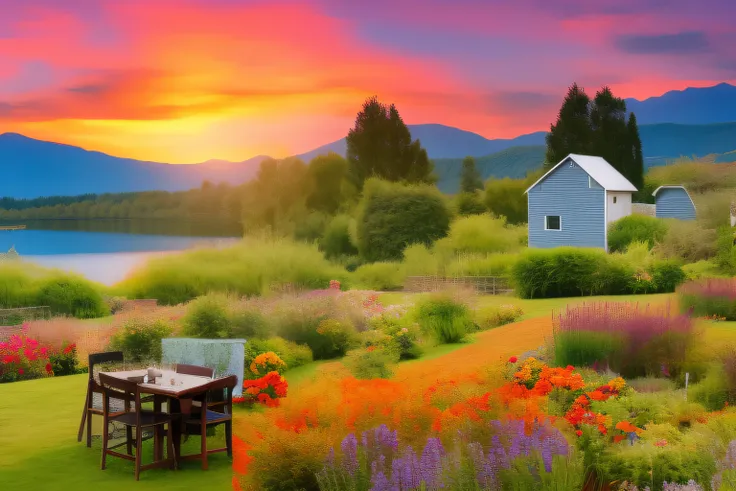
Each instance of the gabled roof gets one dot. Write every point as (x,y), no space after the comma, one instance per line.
(596,167)
(675,187)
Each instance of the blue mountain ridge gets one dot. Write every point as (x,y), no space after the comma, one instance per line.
(33,168)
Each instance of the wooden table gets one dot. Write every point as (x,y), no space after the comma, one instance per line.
(179,397)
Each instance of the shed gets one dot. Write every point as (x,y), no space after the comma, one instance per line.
(573,203)
(674,202)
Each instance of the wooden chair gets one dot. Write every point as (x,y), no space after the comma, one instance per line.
(198,423)
(128,391)
(93,404)
(215,399)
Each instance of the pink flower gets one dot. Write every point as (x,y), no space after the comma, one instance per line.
(44,351)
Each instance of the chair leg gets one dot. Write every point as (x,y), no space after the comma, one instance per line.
(204,447)
(138,451)
(129,439)
(229,437)
(170,446)
(105,437)
(89,429)
(81,424)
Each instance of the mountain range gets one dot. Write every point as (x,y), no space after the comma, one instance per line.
(692,122)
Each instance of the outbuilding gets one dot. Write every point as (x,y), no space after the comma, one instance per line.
(674,202)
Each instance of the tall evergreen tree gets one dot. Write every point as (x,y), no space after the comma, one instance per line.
(637,167)
(470,179)
(571,133)
(610,134)
(380,145)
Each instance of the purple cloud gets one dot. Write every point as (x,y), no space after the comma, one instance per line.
(680,43)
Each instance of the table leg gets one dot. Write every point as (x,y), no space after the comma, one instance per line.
(176,422)
(158,448)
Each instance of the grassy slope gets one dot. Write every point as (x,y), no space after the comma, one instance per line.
(39,450)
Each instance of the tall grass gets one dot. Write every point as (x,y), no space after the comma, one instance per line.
(27,285)
(444,317)
(710,297)
(249,268)
(631,340)
(482,234)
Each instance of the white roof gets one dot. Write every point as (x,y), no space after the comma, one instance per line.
(601,171)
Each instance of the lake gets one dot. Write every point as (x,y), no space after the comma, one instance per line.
(107,250)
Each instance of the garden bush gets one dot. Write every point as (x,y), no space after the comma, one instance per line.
(371,362)
(397,333)
(491,316)
(635,228)
(380,276)
(420,260)
(294,355)
(505,197)
(208,317)
(714,297)
(336,240)
(470,204)
(65,361)
(481,234)
(688,240)
(444,317)
(630,341)
(249,268)
(327,338)
(393,216)
(569,272)
(140,339)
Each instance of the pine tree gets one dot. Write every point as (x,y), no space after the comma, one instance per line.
(380,145)
(470,179)
(610,138)
(572,132)
(637,167)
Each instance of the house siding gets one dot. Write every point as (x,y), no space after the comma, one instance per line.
(566,192)
(674,203)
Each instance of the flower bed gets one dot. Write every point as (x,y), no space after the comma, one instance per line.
(715,298)
(23,358)
(627,339)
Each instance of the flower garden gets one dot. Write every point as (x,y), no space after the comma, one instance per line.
(363,391)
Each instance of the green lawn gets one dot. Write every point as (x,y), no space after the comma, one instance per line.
(532,308)
(39,420)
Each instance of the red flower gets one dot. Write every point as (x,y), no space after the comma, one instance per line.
(579,433)
(513,359)
(21,371)
(48,368)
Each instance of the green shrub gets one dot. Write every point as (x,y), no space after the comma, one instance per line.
(140,339)
(635,228)
(650,385)
(381,276)
(470,204)
(505,197)
(714,297)
(371,362)
(703,269)
(492,316)
(667,276)
(249,268)
(393,216)
(66,361)
(73,296)
(481,234)
(115,304)
(586,348)
(247,322)
(688,240)
(444,317)
(336,239)
(397,333)
(480,264)
(294,355)
(208,317)
(568,272)
(327,338)
(712,392)
(419,260)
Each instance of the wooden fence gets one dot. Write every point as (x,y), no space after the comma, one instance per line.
(492,285)
(11,317)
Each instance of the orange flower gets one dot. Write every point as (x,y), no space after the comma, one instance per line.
(597,395)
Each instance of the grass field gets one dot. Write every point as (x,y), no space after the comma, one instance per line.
(39,449)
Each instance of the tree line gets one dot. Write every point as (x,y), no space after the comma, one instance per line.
(289,196)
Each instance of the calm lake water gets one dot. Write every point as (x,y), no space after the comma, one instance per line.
(107,250)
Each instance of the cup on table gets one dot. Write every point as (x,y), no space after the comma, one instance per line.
(153,374)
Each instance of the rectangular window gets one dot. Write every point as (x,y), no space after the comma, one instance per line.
(552,223)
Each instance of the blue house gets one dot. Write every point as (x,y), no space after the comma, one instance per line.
(674,202)
(573,203)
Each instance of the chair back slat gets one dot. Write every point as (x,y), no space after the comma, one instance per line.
(115,385)
(195,370)
(106,357)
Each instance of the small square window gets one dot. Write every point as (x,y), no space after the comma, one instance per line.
(552,223)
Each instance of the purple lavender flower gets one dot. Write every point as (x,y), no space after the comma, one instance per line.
(349,447)
(331,458)
(409,470)
(484,472)
(430,465)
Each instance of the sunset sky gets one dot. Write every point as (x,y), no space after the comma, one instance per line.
(184,81)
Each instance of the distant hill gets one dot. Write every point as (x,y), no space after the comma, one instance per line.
(513,162)
(33,168)
(442,142)
(661,143)
(705,105)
